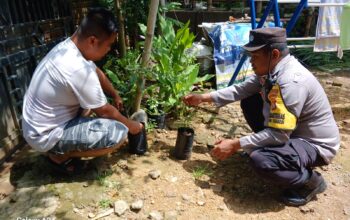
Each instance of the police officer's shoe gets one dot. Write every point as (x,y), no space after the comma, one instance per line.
(298,197)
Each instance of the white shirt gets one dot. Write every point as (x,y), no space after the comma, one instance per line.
(63,82)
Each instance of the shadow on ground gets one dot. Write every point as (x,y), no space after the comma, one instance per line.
(243,191)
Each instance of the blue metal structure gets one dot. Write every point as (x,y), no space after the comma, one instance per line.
(272,4)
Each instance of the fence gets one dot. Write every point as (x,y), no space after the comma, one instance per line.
(28,29)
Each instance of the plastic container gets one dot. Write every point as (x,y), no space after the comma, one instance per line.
(138,142)
(184,143)
(159,120)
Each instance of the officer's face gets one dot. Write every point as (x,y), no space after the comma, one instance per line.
(260,61)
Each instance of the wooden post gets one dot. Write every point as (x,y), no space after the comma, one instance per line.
(209,5)
(151,22)
(121,28)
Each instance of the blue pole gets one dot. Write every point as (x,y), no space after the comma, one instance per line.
(238,68)
(266,13)
(261,23)
(291,23)
(276,13)
(252,13)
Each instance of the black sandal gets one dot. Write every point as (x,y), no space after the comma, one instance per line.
(72,166)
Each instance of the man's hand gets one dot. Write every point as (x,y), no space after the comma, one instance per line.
(118,102)
(193,99)
(225,148)
(134,127)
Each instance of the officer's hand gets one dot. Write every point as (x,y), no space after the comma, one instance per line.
(135,127)
(192,99)
(225,148)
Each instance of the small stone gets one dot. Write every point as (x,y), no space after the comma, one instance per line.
(346,211)
(104,214)
(170,194)
(6,188)
(172,179)
(200,193)
(329,82)
(85,185)
(91,215)
(223,207)
(347,121)
(120,207)
(123,164)
(154,174)
(200,203)
(152,202)
(76,210)
(338,84)
(155,215)
(186,197)
(324,168)
(221,174)
(217,188)
(306,209)
(137,205)
(170,215)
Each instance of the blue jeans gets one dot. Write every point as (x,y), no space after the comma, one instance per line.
(86,133)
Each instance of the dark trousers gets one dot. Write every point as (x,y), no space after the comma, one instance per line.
(289,164)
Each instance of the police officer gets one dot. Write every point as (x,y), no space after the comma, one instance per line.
(288,110)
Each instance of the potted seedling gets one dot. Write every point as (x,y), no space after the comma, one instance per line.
(155,111)
(185,135)
(124,74)
(138,142)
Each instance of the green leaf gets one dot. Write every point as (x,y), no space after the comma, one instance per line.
(143,28)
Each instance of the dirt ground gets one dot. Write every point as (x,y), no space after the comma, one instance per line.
(199,188)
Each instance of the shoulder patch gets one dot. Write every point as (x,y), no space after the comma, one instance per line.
(280,117)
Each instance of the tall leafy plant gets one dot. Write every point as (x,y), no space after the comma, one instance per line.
(124,74)
(175,69)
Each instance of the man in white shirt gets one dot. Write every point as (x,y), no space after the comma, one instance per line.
(66,81)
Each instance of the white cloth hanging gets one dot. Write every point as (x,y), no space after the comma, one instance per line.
(328,28)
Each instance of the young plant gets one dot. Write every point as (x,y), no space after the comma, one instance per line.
(102,177)
(105,203)
(124,74)
(199,171)
(175,69)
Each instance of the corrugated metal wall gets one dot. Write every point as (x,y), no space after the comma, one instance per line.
(28,30)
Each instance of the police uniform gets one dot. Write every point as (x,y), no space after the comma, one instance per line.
(297,129)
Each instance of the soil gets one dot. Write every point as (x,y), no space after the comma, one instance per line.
(198,188)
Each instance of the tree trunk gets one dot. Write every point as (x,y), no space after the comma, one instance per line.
(258,7)
(193,4)
(151,22)
(121,28)
(309,17)
(162,4)
(209,5)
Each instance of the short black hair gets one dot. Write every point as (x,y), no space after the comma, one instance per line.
(99,22)
(282,47)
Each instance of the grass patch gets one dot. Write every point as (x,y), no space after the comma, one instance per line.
(102,177)
(324,61)
(199,171)
(105,203)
